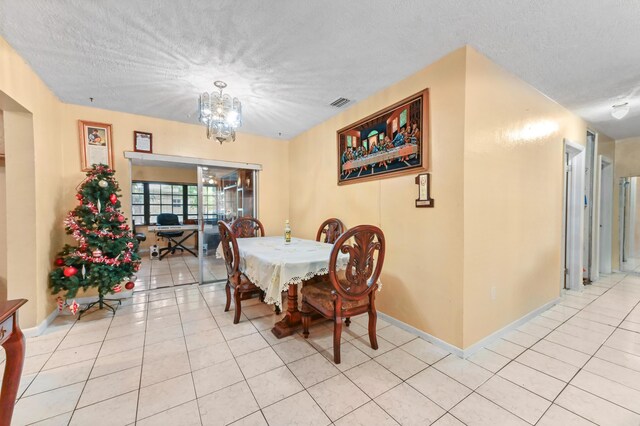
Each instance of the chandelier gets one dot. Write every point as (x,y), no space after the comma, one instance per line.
(221,114)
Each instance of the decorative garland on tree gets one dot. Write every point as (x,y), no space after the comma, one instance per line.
(107,253)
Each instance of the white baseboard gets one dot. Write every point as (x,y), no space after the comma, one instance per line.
(466,353)
(426,336)
(40,328)
(510,327)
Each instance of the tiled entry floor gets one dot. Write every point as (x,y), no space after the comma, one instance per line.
(173,357)
(176,270)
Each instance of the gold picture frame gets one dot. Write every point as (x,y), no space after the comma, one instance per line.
(95,144)
(391,142)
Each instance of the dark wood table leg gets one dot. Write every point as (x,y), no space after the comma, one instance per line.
(292,319)
(15,349)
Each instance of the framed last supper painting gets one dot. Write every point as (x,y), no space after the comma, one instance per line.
(388,143)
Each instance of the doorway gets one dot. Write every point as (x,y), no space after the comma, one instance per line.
(629,224)
(224,194)
(589,208)
(194,194)
(605,222)
(573,215)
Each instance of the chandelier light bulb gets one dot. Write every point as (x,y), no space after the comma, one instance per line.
(220,113)
(619,111)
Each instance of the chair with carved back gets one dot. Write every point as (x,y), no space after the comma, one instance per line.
(351,292)
(242,287)
(247,227)
(332,229)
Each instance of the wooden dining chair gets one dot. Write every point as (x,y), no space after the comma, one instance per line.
(247,227)
(353,291)
(242,287)
(332,229)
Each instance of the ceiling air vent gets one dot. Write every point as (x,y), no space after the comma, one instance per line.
(340,102)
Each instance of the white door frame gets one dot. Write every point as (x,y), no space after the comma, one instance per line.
(604,217)
(573,216)
(622,202)
(631,235)
(589,260)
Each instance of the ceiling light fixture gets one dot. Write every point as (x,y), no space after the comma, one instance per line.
(220,113)
(619,111)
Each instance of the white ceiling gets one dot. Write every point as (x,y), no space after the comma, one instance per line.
(288,59)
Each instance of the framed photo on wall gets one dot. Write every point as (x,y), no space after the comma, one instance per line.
(142,142)
(390,142)
(95,144)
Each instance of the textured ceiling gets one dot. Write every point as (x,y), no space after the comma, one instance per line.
(288,59)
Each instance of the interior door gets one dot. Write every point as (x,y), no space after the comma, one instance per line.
(209,202)
(566,216)
(223,194)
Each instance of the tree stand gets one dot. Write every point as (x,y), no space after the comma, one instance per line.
(102,303)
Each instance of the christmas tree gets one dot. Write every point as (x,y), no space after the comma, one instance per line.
(106,252)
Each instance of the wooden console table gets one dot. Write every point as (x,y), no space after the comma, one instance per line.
(12,340)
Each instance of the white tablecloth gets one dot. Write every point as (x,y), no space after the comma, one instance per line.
(273,265)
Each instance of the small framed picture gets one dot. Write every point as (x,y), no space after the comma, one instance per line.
(95,144)
(142,142)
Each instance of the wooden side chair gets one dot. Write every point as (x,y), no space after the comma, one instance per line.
(332,229)
(351,292)
(247,227)
(242,287)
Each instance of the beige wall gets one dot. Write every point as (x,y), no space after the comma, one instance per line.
(512,197)
(422,276)
(33,158)
(188,140)
(627,157)
(627,163)
(496,164)
(164,174)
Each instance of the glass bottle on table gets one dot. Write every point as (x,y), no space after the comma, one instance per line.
(287,232)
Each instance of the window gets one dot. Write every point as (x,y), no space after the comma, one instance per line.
(138,204)
(209,204)
(165,198)
(149,199)
(192,202)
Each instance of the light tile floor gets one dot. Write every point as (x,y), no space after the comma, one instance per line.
(176,270)
(173,357)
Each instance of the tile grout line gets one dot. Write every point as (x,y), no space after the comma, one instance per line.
(590,358)
(184,338)
(94,363)
(234,359)
(144,341)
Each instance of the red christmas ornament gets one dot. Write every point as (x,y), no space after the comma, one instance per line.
(97,253)
(120,218)
(69,271)
(59,261)
(79,197)
(130,285)
(117,289)
(113,198)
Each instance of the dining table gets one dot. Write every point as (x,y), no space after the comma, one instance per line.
(277,266)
